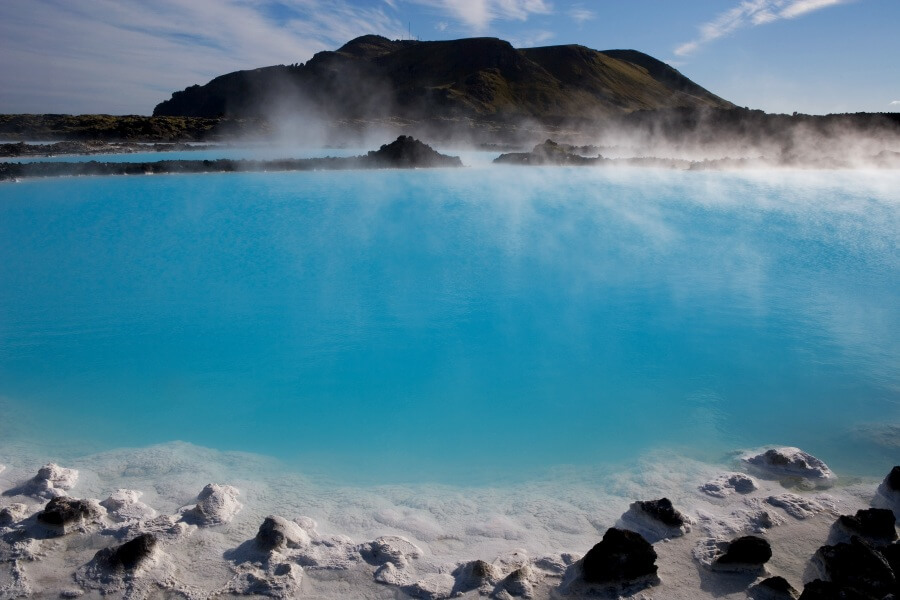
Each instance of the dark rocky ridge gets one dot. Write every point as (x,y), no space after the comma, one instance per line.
(373,77)
(404,152)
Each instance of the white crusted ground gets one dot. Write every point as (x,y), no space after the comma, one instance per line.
(328,541)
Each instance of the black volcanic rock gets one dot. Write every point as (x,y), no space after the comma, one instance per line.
(374,77)
(750,550)
(775,588)
(547,153)
(407,152)
(892,481)
(878,523)
(661,510)
(827,590)
(129,555)
(62,511)
(857,565)
(621,557)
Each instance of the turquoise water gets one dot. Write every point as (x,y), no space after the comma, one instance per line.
(455,325)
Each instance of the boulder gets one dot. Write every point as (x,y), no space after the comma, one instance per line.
(276,533)
(874,523)
(622,557)
(217,505)
(774,588)
(62,512)
(744,553)
(656,519)
(791,463)
(827,590)
(51,481)
(432,587)
(892,481)
(856,565)
(130,555)
(407,152)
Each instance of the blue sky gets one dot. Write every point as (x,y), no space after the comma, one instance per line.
(125,56)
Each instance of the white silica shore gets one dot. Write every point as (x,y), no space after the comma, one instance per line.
(259,530)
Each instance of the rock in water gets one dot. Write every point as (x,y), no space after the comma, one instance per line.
(876,523)
(130,555)
(622,557)
(788,462)
(744,553)
(407,152)
(856,565)
(62,512)
(217,505)
(774,588)
(277,533)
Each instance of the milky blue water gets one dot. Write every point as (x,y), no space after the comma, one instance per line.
(451,325)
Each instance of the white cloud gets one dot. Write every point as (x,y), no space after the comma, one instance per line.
(530,39)
(442,25)
(477,15)
(124,56)
(752,13)
(581,15)
(895,103)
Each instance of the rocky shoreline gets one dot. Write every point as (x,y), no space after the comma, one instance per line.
(551,153)
(404,152)
(742,537)
(85,148)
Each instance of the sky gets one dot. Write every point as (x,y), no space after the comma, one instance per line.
(125,56)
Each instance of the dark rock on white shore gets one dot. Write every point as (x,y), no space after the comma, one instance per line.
(890,487)
(130,555)
(63,512)
(773,588)
(745,553)
(856,565)
(277,533)
(791,463)
(873,523)
(893,479)
(656,519)
(621,557)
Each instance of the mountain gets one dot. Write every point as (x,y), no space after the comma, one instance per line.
(483,78)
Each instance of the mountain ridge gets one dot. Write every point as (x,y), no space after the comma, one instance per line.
(485,78)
